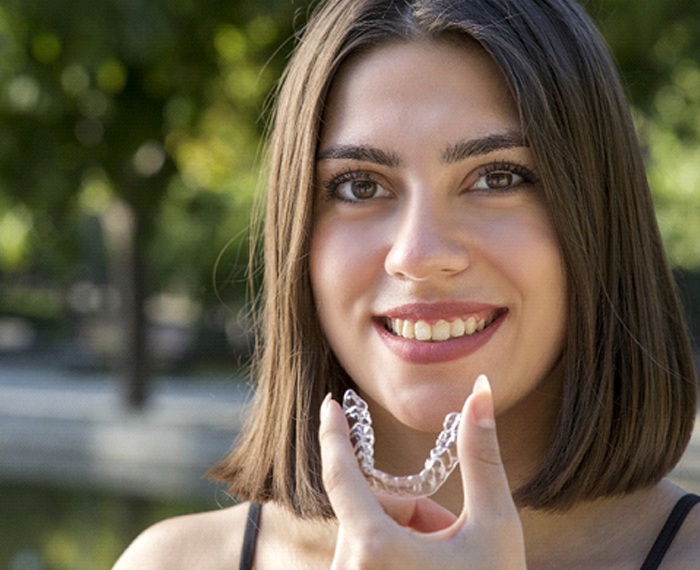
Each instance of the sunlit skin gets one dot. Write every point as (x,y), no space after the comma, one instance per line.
(429,208)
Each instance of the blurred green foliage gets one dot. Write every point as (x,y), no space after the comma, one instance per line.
(657,45)
(155,104)
(159,105)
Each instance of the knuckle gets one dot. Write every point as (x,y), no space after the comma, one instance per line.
(339,479)
(325,433)
(333,477)
(488,452)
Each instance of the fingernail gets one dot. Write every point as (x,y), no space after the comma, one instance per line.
(325,406)
(482,405)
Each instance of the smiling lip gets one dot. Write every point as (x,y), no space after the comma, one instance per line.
(430,351)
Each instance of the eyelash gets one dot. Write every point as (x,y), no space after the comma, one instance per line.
(529,178)
(350,175)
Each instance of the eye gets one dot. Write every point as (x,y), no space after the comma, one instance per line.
(503,177)
(497,181)
(355,186)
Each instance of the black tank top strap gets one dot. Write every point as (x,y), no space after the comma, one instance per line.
(250,537)
(668,532)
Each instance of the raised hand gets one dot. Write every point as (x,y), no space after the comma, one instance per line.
(384,532)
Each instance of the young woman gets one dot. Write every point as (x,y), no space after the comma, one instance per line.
(455,189)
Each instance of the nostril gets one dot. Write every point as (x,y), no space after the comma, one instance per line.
(419,265)
(427,241)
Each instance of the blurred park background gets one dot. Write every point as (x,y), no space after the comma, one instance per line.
(129,152)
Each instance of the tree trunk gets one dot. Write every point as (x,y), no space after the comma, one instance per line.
(126,250)
(135,341)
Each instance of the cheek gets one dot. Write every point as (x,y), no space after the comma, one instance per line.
(527,248)
(343,263)
(535,264)
(544,265)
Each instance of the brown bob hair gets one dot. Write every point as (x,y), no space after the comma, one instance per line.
(629,397)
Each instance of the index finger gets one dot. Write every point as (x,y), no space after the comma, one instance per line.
(350,495)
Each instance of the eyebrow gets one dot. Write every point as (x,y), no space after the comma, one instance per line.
(483,145)
(363,153)
(453,153)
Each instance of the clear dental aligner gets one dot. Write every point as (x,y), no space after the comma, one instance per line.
(437,468)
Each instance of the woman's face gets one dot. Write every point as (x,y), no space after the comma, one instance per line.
(433,257)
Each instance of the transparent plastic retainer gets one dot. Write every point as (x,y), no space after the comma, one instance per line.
(437,468)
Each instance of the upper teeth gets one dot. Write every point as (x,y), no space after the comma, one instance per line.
(440,330)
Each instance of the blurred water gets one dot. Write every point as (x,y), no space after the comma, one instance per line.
(80,476)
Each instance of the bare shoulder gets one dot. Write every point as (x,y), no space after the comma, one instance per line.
(685,549)
(208,540)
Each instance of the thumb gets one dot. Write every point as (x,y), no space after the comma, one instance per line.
(486,490)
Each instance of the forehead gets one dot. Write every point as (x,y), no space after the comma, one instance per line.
(419,86)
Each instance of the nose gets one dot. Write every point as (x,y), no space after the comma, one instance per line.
(427,242)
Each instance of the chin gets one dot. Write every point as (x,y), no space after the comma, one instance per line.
(422,408)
